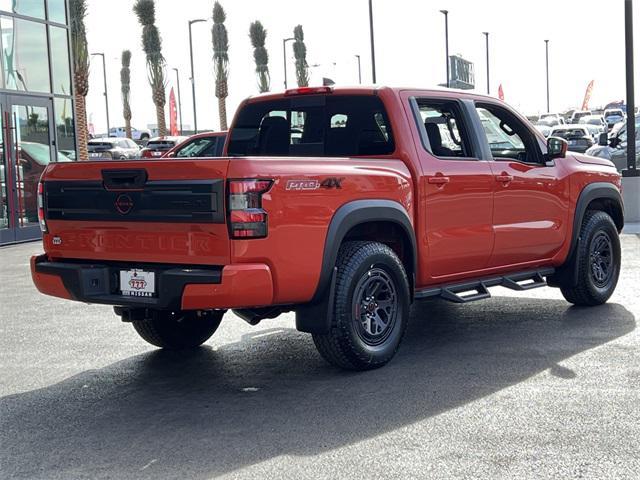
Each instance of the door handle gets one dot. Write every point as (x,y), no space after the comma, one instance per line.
(439,180)
(504,178)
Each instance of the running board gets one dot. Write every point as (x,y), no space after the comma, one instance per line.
(479,289)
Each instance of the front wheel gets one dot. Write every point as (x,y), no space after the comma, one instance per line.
(371,308)
(178,330)
(598,258)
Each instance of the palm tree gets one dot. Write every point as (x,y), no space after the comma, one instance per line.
(152,46)
(125,88)
(258,35)
(220,61)
(300,52)
(78,11)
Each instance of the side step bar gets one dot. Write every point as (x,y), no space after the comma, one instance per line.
(479,289)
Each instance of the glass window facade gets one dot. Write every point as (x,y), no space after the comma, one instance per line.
(37,104)
(58,11)
(25,62)
(28,8)
(60,69)
(65,127)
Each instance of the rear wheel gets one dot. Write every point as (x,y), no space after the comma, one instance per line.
(177,330)
(598,258)
(371,308)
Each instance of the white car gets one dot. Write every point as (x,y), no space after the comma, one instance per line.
(138,135)
(551,119)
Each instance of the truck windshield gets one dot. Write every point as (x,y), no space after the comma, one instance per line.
(313,125)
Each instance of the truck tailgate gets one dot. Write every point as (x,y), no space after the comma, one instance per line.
(139,211)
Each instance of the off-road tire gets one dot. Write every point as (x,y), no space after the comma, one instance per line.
(347,344)
(178,330)
(597,228)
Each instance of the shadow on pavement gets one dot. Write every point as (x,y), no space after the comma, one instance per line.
(207,412)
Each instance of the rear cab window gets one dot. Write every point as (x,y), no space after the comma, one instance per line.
(313,125)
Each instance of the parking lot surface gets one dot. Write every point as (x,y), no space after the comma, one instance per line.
(519,386)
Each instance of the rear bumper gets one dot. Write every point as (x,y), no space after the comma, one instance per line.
(177,288)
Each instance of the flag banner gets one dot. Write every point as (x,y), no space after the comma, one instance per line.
(173,114)
(587,96)
(501,93)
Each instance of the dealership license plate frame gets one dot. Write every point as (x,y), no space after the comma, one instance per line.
(138,283)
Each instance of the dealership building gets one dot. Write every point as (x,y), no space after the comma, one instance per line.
(36,107)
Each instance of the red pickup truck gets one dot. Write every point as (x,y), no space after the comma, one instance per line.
(343,205)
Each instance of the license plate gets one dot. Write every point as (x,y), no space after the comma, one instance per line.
(95,155)
(157,154)
(137,283)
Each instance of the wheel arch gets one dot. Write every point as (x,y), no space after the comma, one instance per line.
(602,196)
(366,220)
(384,221)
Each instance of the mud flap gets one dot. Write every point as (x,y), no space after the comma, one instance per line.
(317,317)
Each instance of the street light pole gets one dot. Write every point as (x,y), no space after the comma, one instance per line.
(284,53)
(631,170)
(359,70)
(193,80)
(106,95)
(486,34)
(373,47)
(179,97)
(446,41)
(546,43)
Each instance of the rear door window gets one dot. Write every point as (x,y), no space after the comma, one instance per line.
(443,130)
(313,125)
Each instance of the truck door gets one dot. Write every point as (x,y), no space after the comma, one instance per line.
(456,191)
(531,201)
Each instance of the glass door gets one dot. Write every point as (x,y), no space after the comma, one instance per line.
(28,147)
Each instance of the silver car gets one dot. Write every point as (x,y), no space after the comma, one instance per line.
(615,148)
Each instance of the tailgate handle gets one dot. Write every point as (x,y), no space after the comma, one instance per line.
(124,179)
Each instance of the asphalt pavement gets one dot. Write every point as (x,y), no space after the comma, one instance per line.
(519,386)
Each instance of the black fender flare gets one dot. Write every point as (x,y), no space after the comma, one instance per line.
(567,274)
(315,317)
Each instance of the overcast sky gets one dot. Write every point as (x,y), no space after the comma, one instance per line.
(586,43)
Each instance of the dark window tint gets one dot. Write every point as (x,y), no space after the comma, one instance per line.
(443,128)
(325,126)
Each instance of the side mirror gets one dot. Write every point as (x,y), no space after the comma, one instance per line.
(171,154)
(603,139)
(557,147)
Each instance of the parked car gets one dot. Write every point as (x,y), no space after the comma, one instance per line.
(136,134)
(614,147)
(157,147)
(418,194)
(613,116)
(202,145)
(577,115)
(578,137)
(543,128)
(113,149)
(596,125)
(552,119)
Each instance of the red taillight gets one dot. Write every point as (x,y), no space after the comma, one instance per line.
(247,219)
(41,220)
(308,90)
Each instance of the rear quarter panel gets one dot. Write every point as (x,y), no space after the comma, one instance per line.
(299,219)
